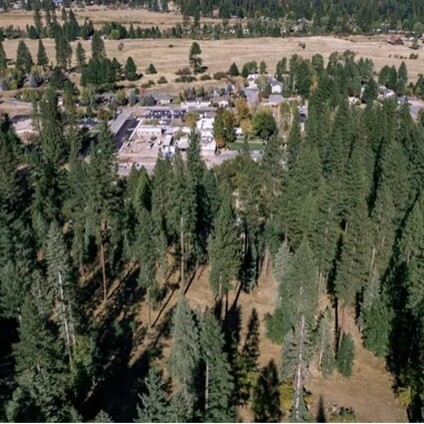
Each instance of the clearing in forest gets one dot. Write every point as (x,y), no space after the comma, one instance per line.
(368,391)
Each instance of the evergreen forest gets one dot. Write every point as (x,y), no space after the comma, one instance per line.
(334,208)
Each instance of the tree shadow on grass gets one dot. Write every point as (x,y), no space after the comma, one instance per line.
(266,396)
(321,418)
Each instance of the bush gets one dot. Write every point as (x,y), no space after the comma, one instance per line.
(114,35)
(219,75)
(162,80)
(413,56)
(183,71)
(151,82)
(151,69)
(104,114)
(30,96)
(346,355)
(186,78)
(343,415)
(120,46)
(205,77)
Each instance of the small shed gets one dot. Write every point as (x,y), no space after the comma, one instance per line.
(395,40)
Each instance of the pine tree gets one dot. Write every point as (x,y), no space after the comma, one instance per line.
(10,183)
(41,376)
(376,320)
(130,70)
(17,264)
(47,176)
(219,384)
(345,355)
(3,58)
(353,267)
(181,216)
(301,195)
(294,140)
(23,58)
(80,57)
(42,59)
(155,406)
(98,51)
(233,71)
(326,229)
(184,357)
(194,57)
(224,248)
(63,50)
(326,359)
(262,68)
(161,194)
(59,279)
(371,92)
(100,214)
(295,358)
(203,184)
(73,27)
(38,23)
(151,69)
(146,255)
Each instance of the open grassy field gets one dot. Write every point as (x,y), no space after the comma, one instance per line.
(219,54)
(101,14)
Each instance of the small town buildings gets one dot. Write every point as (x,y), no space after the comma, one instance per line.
(277,87)
(199,102)
(222,101)
(251,81)
(395,40)
(274,100)
(162,99)
(251,96)
(148,132)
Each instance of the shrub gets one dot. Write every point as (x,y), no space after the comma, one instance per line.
(219,75)
(104,114)
(114,35)
(346,355)
(183,71)
(186,78)
(205,77)
(162,80)
(151,82)
(151,69)
(343,415)
(120,46)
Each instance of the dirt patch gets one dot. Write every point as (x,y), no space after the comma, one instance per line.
(368,391)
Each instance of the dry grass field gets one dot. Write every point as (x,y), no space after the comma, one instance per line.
(102,14)
(168,55)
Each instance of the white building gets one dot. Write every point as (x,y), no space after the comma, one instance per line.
(148,132)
